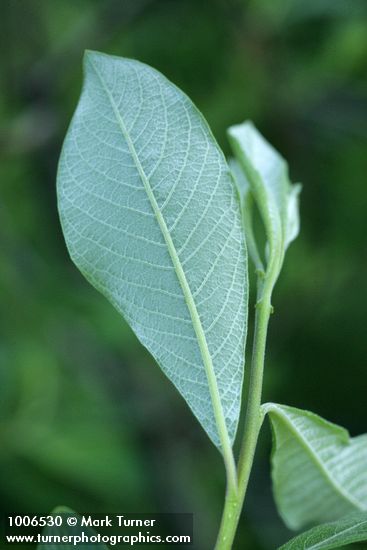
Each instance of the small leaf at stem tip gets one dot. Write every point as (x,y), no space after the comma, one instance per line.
(151,218)
(265,174)
(336,534)
(319,473)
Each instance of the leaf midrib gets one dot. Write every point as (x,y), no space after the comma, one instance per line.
(336,535)
(198,328)
(316,459)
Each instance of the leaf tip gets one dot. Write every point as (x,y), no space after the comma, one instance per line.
(242,127)
(90,56)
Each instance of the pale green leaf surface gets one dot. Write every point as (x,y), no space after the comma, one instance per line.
(336,534)
(267,174)
(247,209)
(242,183)
(319,473)
(293,220)
(66,530)
(151,218)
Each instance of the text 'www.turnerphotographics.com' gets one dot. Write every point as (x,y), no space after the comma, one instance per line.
(112,529)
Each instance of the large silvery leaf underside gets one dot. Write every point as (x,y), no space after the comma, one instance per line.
(319,473)
(151,218)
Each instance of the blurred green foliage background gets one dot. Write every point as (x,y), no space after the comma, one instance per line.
(86,418)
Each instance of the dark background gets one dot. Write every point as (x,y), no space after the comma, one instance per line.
(86,417)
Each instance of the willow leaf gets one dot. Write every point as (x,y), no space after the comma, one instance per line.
(336,534)
(266,173)
(319,473)
(151,218)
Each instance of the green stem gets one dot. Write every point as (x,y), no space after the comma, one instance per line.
(254,416)
(230,517)
(234,502)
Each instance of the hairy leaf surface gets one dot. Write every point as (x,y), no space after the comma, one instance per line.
(336,534)
(319,473)
(151,218)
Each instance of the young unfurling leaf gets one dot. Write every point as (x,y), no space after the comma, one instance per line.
(265,173)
